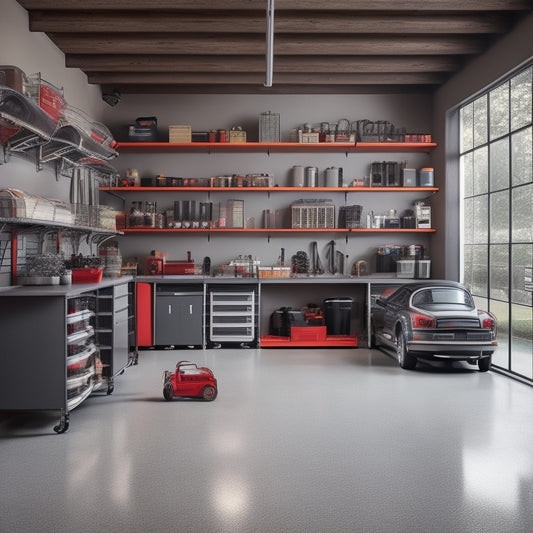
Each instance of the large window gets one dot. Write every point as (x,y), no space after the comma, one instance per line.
(496,161)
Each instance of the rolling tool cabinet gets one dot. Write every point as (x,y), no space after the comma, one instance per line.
(233,314)
(112,334)
(55,348)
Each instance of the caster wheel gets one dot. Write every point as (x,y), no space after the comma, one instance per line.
(64,422)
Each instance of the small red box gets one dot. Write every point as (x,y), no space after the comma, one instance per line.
(87,275)
(310,333)
(178,267)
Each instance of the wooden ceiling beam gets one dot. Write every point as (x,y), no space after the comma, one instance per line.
(281,5)
(126,22)
(255,44)
(219,78)
(334,46)
(210,63)
(276,89)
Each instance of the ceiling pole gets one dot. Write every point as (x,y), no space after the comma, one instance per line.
(270,43)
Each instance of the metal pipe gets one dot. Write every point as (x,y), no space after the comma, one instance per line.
(270,43)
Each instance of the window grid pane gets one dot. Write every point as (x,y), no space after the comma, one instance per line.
(480,120)
(481,170)
(521,160)
(521,114)
(499,111)
(522,213)
(499,165)
(467,127)
(499,217)
(496,163)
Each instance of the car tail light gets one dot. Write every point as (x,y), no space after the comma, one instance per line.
(487,321)
(422,321)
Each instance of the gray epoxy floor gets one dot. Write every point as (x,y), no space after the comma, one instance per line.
(297,441)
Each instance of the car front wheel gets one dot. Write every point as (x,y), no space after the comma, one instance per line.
(406,360)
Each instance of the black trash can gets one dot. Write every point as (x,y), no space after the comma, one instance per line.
(338,315)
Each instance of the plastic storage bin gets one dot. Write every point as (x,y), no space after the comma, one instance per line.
(405,268)
(338,315)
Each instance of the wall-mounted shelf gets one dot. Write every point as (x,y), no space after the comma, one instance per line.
(281,147)
(30,131)
(276,230)
(271,189)
(28,222)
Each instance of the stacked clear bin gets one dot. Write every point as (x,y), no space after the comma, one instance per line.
(82,353)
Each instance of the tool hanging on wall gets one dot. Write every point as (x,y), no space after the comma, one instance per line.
(316,264)
(330,254)
(339,262)
(206,266)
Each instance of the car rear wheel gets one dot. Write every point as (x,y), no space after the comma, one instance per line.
(209,393)
(406,360)
(484,364)
(168,391)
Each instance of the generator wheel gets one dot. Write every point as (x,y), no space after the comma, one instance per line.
(209,393)
(168,391)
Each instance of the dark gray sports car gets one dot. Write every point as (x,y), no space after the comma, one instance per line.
(434,320)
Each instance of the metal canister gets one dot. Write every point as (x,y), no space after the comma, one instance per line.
(311,174)
(332,177)
(298,176)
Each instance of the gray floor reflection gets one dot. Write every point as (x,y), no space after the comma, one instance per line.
(302,440)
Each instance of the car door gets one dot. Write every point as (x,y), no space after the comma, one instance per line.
(396,303)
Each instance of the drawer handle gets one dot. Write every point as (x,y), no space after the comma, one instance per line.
(190,309)
(169,309)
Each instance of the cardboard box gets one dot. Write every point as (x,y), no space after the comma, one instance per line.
(180,134)
(237,136)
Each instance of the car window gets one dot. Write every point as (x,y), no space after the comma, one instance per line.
(399,297)
(442,296)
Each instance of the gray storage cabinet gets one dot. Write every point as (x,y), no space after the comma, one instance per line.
(50,339)
(179,312)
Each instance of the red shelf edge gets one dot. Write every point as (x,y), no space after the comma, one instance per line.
(281,146)
(277,230)
(273,189)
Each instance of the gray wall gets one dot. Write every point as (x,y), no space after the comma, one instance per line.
(205,112)
(506,54)
(34,52)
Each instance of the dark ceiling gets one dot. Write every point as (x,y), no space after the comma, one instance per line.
(320,46)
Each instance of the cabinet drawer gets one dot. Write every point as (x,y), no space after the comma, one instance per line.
(232,298)
(120,302)
(121,290)
(237,309)
(232,319)
(231,333)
